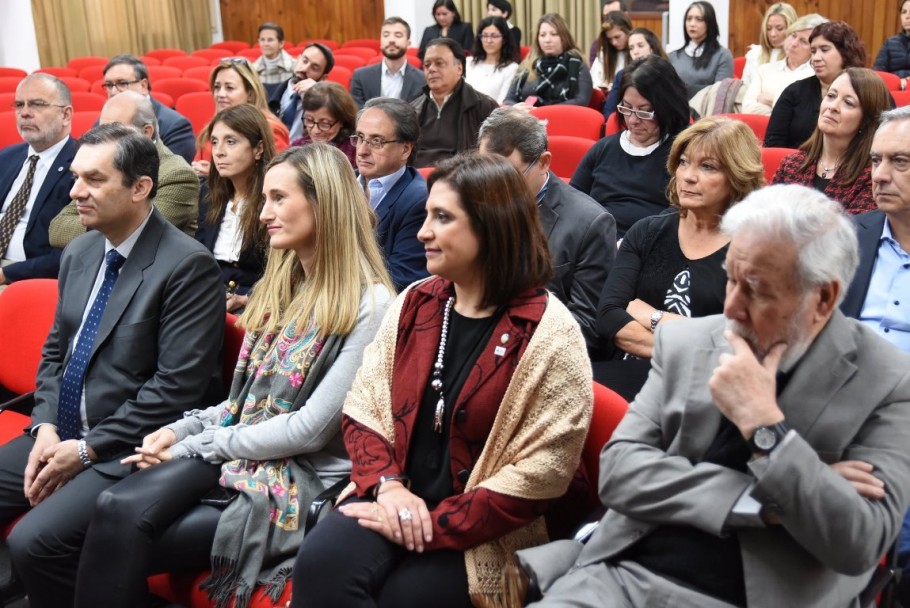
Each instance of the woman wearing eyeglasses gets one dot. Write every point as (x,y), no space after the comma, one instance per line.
(627,172)
(329,117)
(234,82)
(494,59)
(670,266)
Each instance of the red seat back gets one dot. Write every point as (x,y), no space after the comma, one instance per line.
(186,62)
(567,153)
(771,157)
(9,135)
(231,46)
(162,54)
(577,121)
(199,108)
(177,87)
(739,66)
(26,314)
(757,122)
(82,122)
(342,76)
(87,102)
(609,409)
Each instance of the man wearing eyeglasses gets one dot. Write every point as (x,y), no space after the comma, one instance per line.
(385,136)
(35,178)
(128,73)
(393,76)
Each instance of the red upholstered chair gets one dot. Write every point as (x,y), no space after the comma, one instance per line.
(87,102)
(757,122)
(6,101)
(8,133)
(612,125)
(251,54)
(162,54)
(341,75)
(177,87)
(577,121)
(412,51)
(201,73)
(771,157)
(901,98)
(98,88)
(892,81)
(77,63)
(739,65)
(199,108)
(186,62)
(13,72)
(351,62)
(209,54)
(567,153)
(231,46)
(163,98)
(150,61)
(78,84)
(425,171)
(92,73)
(414,60)
(523,51)
(609,409)
(82,122)
(8,84)
(160,72)
(326,41)
(68,72)
(358,51)
(597,100)
(369,43)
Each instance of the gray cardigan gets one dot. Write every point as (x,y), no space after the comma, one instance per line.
(313,430)
(719,67)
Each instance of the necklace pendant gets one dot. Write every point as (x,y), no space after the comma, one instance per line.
(437,417)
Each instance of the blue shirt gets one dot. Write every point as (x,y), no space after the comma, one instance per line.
(887,306)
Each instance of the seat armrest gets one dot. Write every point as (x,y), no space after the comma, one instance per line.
(22,404)
(325,498)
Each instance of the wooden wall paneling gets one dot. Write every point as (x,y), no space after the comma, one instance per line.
(652,21)
(339,20)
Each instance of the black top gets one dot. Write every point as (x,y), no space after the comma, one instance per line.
(795,114)
(428,463)
(439,129)
(462,33)
(629,187)
(650,266)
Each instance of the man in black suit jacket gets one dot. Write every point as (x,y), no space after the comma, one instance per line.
(155,354)
(581,234)
(128,73)
(387,132)
(393,76)
(44,113)
(313,65)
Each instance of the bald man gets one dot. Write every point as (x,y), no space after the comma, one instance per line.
(178,187)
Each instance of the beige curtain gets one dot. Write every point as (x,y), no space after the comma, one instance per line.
(583,17)
(67,29)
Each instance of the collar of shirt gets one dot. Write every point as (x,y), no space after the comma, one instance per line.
(46,158)
(625,142)
(694,50)
(888,237)
(398,72)
(543,189)
(126,247)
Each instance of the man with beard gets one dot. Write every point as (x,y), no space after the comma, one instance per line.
(393,76)
(764,462)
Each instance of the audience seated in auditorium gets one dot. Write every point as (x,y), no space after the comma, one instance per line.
(554,72)
(834,47)
(229,226)
(894,56)
(277,438)
(772,39)
(642,42)
(387,131)
(764,463)
(770,79)
(393,76)
(136,341)
(233,82)
(835,158)
(613,51)
(494,59)
(702,60)
(671,266)
(313,65)
(627,172)
(128,73)
(329,115)
(503,9)
(581,235)
(607,7)
(35,178)
(177,194)
(447,24)
(275,65)
(450,110)
(455,462)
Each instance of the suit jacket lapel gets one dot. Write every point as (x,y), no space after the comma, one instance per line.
(54,175)
(11,170)
(388,201)
(868,231)
(548,207)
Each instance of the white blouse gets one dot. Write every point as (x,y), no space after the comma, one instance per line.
(490,80)
(230,239)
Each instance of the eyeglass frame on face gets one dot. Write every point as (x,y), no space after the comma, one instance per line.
(639,114)
(322,125)
(374,143)
(120,85)
(531,164)
(490,36)
(233,60)
(35,105)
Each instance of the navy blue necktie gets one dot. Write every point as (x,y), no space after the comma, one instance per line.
(291,111)
(69,418)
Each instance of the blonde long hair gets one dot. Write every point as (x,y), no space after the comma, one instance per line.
(346,261)
(778,8)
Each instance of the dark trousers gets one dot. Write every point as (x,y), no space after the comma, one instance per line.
(150,522)
(45,544)
(342,563)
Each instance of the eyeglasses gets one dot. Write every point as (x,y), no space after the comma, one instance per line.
(531,164)
(322,125)
(234,60)
(374,143)
(120,85)
(35,105)
(490,36)
(639,114)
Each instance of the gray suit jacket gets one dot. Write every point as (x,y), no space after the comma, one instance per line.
(157,352)
(849,398)
(367,83)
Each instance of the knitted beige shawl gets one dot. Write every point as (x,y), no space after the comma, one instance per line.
(534,445)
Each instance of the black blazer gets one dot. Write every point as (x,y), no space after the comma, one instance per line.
(42,260)
(399,217)
(462,33)
(245,271)
(367,83)
(869,228)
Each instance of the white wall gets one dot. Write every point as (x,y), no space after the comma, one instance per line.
(18,43)
(418,14)
(678,16)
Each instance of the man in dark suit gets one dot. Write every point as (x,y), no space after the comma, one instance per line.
(764,462)
(135,342)
(879,295)
(393,76)
(128,73)
(313,65)
(581,234)
(386,133)
(35,178)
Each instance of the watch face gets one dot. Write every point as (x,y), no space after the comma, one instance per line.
(764,438)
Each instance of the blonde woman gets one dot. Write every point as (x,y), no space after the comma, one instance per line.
(774,25)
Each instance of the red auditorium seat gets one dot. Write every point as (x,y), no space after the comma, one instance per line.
(892,81)
(739,66)
(87,102)
(342,76)
(150,61)
(198,109)
(82,122)
(8,84)
(176,87)
(186,62)
(77,84)
(58,72)
(369,43)
(326,41)
(351,62)
(162,54)
(250,54)
(577,121)
(163,98)
(609,409)
(770,159)
(232,46)
(160,72)
(201,73)
(358,51)
(12,72)
(208,54)
(8,133)
(597,100)
(757,122)
(77,63)
(567,153)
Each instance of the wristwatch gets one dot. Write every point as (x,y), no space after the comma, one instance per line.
(766,438)
(656,316)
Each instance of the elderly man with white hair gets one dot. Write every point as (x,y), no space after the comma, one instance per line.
(764,462)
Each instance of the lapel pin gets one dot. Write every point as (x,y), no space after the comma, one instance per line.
(499,351)
(504,338)
(59,169)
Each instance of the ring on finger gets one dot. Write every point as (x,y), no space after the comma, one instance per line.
(404,514)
